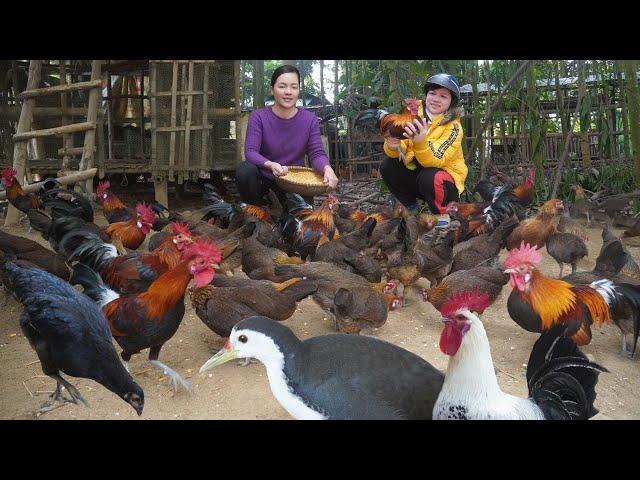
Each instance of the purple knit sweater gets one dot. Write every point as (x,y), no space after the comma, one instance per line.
(284,141)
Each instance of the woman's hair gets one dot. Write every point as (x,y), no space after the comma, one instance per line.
(282,70)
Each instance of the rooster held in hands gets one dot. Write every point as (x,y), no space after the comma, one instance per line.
(537,303)
(150,319)
(393,124)
(561,379)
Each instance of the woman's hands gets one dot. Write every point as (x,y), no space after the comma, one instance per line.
(330,179)
(393,142)
(277,169)
(417,130)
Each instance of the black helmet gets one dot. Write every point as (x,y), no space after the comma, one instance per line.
(447,81)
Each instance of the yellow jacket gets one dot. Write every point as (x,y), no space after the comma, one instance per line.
(441,148)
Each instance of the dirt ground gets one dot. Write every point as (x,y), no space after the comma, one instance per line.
(234,392)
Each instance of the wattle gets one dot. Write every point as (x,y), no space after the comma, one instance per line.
(204,277)
(450,340)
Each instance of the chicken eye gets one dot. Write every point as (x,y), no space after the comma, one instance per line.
(243,338)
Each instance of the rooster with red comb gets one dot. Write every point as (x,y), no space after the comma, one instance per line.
(561,379)
(149,319)
(537,303)
(135,271)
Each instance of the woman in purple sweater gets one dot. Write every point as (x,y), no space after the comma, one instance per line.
(277,137)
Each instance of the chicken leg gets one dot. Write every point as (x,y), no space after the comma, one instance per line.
(58,396)
(174,376)
(334,318)
(624,346)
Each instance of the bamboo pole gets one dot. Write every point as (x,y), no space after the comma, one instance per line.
(64,180)
(187,123)
(72,151)
(174,106)
(565,151)
(67,87)
(12,112)
(109,114)
(205,117)
(238,119)
(47,132)
(142,97)
(67,138)
(521,69)
(92,115)
(24,124)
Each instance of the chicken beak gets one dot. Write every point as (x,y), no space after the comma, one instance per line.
(215,266)
(510,270)
(444,319)
(223,356)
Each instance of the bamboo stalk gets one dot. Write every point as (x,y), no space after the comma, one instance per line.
(67,87)
(488,119)
(47,132)
(565,151)
(24,124)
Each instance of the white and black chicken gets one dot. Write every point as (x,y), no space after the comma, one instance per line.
(561,379)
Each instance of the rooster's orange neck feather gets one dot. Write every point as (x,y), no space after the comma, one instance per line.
(167,290)
(550,298)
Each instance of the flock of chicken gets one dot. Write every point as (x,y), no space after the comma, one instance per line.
(356,265)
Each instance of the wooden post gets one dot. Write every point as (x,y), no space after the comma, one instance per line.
(240,125)
(153,76)
(142,113)
(187,125)
(206,132)
(174,101)
(109,114)
(183,107)
(92,114)
(161,190)
(24,125)
(100,147)
(67,139)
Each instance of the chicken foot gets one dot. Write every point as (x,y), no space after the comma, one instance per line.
(174,376)
(334,318)
(624,346)
(58,396)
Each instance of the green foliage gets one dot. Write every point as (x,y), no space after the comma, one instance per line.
(612,178)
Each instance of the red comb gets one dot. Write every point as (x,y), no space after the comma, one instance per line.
(180,228)
(523,254)
(202,247)
(145,213)
(471,301)
(9,172)
(103,187)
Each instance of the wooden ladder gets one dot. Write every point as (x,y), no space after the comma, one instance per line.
(24,132)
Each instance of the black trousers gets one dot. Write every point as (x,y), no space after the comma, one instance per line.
(253,186)
(434,185)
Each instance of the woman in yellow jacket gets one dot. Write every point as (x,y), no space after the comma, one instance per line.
(432,165)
